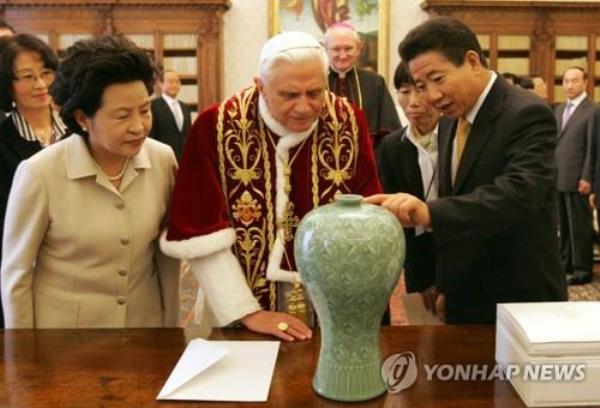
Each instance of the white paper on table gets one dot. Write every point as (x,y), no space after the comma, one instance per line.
(222,371)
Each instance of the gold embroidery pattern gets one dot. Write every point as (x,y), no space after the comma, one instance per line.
(314,170)
(270,208)
(240,153)
(242,145)
(246,209)
(246,168)
(338,148)
(251,247)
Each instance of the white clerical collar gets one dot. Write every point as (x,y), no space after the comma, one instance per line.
(342,74)
(277,127)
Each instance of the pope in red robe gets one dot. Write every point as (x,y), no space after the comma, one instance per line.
(252,167)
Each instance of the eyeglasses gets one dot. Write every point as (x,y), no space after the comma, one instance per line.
(30,78)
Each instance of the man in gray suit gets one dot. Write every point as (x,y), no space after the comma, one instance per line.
(576,132)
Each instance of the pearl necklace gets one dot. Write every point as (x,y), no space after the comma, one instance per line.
(121,173)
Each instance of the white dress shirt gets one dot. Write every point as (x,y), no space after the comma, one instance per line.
(175,107)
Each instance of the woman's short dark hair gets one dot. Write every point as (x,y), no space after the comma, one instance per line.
(402,76)
(10,48)
(90,66)
(446,35)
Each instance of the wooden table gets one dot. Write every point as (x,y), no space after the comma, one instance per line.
(127,368)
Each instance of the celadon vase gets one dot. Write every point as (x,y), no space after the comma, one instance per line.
(349,255)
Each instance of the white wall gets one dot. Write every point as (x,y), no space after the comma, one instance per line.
(404,15)
(246,30)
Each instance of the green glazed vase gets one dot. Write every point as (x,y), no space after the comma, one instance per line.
(349,255)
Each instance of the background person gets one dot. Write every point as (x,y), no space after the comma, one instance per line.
(408,161)
(539,86)
(364,88)
(27,69)
(171,118)
(576,134)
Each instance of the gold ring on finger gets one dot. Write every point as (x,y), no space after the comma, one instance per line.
(283,326)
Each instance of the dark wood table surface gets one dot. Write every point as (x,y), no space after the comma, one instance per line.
(128,367)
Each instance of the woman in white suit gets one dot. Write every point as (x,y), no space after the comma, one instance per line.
(84,215)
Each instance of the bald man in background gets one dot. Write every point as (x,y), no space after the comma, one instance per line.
(363,88)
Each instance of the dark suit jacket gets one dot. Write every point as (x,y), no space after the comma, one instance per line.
(495,229)
(164,127)
(377,103)
(573,149)
(595,155)
(400,172)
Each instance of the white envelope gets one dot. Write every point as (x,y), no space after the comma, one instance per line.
(222,371)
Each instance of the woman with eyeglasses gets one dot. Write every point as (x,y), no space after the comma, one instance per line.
(84,216)
(27,69)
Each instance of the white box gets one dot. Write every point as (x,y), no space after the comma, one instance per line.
(553,350)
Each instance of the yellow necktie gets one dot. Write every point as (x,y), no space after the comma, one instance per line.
(462,132)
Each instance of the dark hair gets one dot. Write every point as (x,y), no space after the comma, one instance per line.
(4,24)
(90,66)
(10,48)
(526,83)
(579,69)
(163,71)
(513,77)
(445,35)
(402,76)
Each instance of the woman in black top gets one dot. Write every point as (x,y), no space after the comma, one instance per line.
(27,67)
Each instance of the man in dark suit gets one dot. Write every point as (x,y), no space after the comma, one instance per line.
(363,88)
(494,224)
(408,161)
(171,118)
(573,155)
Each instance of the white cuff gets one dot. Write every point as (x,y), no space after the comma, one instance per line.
(199,246)
(227,293)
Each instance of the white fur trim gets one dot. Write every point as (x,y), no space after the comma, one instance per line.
(287,141)
(224,286)
(274,271)
(198,247)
